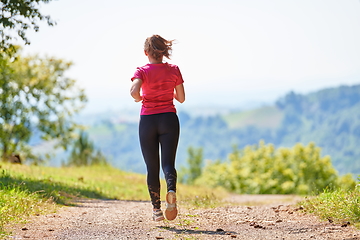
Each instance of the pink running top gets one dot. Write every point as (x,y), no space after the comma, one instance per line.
(158,83)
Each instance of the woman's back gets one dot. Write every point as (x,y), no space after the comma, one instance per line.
(158,83)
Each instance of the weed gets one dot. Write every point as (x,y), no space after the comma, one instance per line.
(185,222)
(338,206)
(15,203)
(205,201)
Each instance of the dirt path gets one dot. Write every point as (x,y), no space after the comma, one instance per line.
(250,217)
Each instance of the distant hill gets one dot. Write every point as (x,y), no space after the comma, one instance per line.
(329,117)
(267,117)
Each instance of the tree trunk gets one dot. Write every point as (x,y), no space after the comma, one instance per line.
(4,156)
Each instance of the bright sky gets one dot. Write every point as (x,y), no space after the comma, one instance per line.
(230,52)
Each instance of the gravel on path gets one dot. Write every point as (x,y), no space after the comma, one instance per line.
(251,217)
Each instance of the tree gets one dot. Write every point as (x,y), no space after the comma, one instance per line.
(17,16)
(36,94)
(84,154)
(195,162)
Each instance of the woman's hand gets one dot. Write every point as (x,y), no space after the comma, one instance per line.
(138,99)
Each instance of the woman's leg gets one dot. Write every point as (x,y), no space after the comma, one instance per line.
(149,142)
(169,130)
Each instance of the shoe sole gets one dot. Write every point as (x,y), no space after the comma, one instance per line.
(158,218)
(171,212)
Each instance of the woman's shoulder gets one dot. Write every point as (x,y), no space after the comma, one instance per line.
(173,66)
(143,67)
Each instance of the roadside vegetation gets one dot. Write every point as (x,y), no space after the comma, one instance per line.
(262,169)
(340,206)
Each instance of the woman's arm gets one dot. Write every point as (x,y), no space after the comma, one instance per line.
(135,89)
(179,93)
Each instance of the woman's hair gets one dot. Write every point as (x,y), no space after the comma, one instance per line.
(157,47)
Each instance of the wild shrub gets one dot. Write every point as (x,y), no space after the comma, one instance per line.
(262,169)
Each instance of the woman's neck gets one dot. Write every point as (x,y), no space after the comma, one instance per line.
(155,61)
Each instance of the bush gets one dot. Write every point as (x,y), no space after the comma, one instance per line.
(262,169)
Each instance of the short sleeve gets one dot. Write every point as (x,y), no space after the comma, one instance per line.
(137,74)
(179,80)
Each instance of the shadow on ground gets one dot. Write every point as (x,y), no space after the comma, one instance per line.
(197,231)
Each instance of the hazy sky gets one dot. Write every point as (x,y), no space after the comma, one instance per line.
(230,52)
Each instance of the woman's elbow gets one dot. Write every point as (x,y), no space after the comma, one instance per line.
(180,99)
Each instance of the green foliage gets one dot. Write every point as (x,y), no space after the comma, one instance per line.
(195,165)
(262,169)
(17,16)
(340,205)
(36,94)
(84,154)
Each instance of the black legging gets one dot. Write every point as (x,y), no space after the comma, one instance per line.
(160,129)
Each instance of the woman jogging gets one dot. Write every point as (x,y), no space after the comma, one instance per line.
(159,83)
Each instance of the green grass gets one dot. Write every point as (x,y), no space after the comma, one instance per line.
(264,117)
(17,202)
(29,190)
(339,206)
